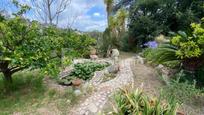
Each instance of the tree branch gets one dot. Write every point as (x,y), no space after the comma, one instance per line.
(18,69)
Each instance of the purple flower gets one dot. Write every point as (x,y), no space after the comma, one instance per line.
(151,44)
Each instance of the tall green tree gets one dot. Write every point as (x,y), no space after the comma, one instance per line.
(143,25)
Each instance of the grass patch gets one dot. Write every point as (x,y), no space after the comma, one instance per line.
(28,93)
(27,89)
(182,92)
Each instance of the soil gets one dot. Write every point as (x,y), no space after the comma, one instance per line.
(146,79)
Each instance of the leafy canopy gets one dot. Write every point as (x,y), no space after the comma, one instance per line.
(23,44)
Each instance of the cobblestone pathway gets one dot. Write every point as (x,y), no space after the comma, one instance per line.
(95,102)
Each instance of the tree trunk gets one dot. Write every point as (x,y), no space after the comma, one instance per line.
(49,11)
(8,78)
(8,81)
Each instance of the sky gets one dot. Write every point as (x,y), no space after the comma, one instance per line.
(84,15)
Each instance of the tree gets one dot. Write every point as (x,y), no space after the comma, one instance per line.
(122,4)
(49,10)
(142,24)
(149,18)
(113,34)
(117,26)
(109,6)
(23,46)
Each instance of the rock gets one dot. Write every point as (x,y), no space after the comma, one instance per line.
(114,68)
(139,60)
(66,72)
(180,113)
(77,82)
(77,92)
(115,53)
(159,67)
(93,57)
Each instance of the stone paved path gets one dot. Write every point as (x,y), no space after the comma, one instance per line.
(95,102)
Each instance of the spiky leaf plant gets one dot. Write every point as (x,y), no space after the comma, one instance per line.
(137,103)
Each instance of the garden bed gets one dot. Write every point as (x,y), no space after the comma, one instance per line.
(82,71)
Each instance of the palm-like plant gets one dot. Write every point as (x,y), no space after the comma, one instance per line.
(109,7)
(121,16)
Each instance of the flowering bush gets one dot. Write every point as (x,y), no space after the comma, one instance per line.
(151,44)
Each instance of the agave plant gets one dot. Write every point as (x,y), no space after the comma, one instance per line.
(136,103)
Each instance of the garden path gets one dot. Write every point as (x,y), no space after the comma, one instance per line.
(96,101)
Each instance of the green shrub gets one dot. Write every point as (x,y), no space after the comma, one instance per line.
(137,103)
(189,46)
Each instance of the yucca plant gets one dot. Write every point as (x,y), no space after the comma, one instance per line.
(137,103)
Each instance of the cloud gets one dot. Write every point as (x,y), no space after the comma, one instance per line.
(77,16)
(96,14)
(80,19)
